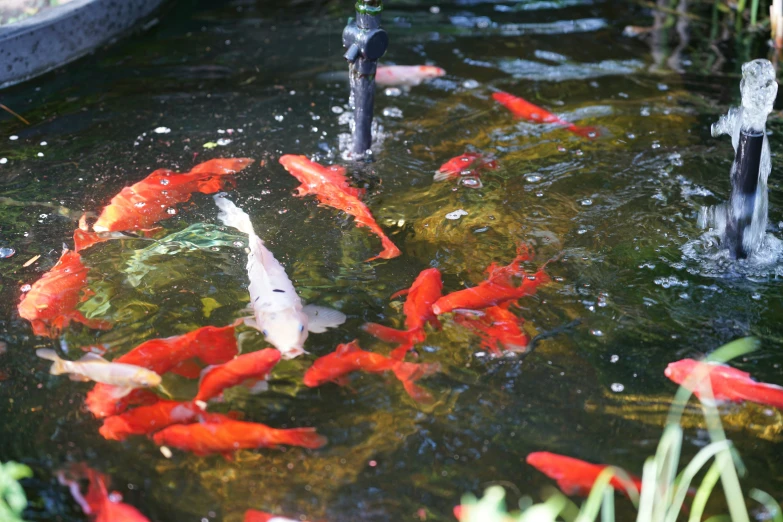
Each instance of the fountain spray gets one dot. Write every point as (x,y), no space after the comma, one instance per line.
(365,42)
(746,212)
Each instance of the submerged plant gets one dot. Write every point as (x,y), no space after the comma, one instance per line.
(12,497)
(663,490)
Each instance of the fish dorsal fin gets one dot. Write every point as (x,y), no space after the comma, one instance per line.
(93,358)
(348,348)
(319,318)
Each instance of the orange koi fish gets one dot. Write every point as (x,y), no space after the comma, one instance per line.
(424,291)
(498,328)
(141,205)
(574,476)
(210,344)
(498,288)
(97,503)
(221,434)
(348,358)
(148,419)
(470,162)
(50,305)
(728,384)
(251,368)
(524,109)
(330,186)
(407,75)
(252,515)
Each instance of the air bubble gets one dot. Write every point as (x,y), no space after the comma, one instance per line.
(617,387)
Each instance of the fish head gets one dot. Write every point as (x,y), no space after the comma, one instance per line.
(286,330)
(430,71)
(679,371)
(145,378)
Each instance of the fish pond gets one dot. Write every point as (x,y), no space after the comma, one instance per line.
(613,219)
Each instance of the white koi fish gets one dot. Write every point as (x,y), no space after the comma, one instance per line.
(277,309)
(92,367)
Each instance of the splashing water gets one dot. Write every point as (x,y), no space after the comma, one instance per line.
(740,224)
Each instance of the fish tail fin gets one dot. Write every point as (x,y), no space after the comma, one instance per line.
(303,437)
(585,132)
(409,373)
(762,393)
(384,333)
(233,216)
(58,366)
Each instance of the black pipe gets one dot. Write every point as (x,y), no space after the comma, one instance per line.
(744,184)
(365,42)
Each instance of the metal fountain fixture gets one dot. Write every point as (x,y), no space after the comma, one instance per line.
(365,41)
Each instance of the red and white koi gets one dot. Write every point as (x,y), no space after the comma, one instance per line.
(221,434)
(522,108)
(141,205)
(331,187)
(250,369)
(468,163)
(349,358)
(406,75)
(727,383)
(424,291)
(50,304)
(498,288)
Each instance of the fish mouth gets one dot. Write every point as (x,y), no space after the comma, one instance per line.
(291,353)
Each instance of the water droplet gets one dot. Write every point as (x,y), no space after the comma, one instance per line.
(162,130)
(279,117)
(578,152)
(26,288)
(533,178)
(139,204)
(756,297)
(663,87)
(581,231)
(470,84)
(539,194)
(3,161)
(617,387)
(171,211)
(560,148)
(392,112)
(656,145)
(6,252)
(392,91)
(472,182)
(586,202)
(614,358)
(40,154)
(13,138)
(631,136)
(44,144)
(337,109)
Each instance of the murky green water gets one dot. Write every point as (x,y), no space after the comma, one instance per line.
(616,210)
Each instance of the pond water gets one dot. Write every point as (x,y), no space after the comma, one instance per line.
(612,215)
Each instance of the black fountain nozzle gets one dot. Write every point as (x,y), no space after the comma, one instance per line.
(744,182)
(365,42)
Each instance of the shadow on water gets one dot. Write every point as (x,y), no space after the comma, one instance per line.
(243,79)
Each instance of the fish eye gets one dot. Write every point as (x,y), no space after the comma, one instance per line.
(301,328)
(265,333)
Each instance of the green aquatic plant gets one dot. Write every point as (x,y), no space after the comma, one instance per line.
(663,490)
(12,497)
